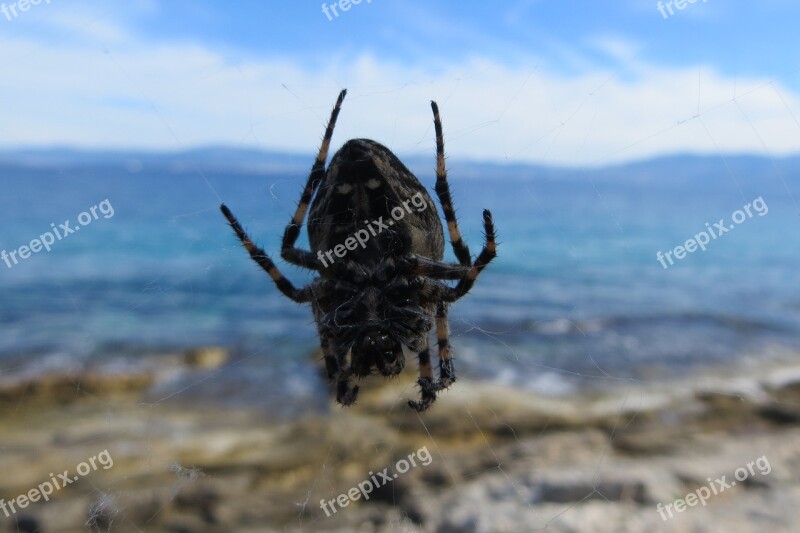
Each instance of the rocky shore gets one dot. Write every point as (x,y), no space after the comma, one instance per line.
(501,459)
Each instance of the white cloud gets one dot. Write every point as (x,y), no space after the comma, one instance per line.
(179,96)
(78,24)
(619,49)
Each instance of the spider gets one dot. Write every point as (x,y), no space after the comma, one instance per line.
(388,290)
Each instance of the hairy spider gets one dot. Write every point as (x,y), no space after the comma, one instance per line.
(388,289)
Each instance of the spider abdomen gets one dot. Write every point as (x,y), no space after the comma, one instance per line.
(369,196)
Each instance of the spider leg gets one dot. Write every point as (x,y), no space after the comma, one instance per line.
(346,391)
(447,375)
(289,253)
(422,266)
(488,253)
(445,198)
(262,259)
(426,383)
(331,364)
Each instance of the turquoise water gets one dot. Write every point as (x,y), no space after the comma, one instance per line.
(576,297)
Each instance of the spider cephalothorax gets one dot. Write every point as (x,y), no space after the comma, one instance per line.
(378,246)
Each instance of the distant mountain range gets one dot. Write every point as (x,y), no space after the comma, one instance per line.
(664,170)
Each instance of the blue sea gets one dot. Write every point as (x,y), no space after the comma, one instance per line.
(576,299)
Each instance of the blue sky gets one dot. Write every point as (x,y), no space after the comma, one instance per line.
(569,82)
